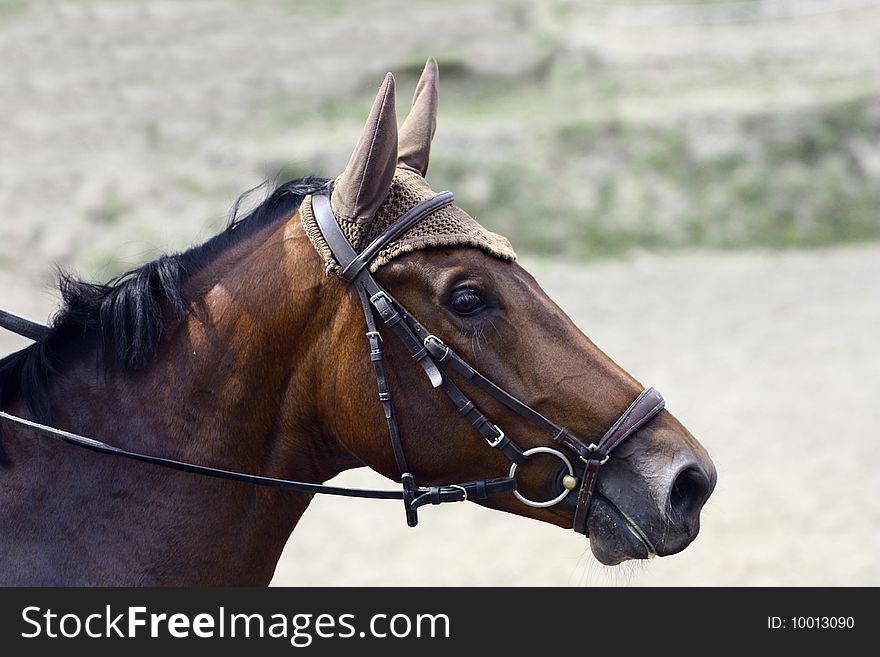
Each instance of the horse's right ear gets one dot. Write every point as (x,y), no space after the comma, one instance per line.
(419,126)
(364,184)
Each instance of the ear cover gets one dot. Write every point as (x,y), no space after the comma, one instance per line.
(418,129)
(378,186)
(361,188)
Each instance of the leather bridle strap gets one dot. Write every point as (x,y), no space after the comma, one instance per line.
(390,310)
(640,412)
(446,356)
(377,357)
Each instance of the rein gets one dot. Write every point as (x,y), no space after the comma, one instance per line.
(425,495)
(437,359)
(23,327)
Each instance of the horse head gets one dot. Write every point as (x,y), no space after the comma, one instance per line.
(462,284)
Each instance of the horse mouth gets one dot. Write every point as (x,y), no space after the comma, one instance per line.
(614,536)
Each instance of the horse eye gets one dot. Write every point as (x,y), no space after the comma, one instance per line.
(466,302)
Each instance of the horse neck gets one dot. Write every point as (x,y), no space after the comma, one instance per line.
(221,392)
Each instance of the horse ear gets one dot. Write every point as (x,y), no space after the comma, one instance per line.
(364,184)
(418,129)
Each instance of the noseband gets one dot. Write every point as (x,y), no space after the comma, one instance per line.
(438,360)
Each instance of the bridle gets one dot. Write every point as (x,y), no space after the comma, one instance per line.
(438,360)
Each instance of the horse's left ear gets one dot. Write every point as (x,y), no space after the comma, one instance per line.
(417,131)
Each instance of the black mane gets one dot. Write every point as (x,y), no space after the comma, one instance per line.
(126,317)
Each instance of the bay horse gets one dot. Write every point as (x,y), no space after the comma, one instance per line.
(247,353)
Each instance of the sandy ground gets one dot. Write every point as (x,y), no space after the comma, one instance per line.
(128,128)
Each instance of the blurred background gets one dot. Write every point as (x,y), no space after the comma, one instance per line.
(706,174)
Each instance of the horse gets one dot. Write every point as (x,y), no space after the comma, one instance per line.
(247,353)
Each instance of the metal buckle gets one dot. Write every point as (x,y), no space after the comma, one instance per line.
(433,338)
(381,294)
(497,441)
(543,450)
(462,489)
(376,334)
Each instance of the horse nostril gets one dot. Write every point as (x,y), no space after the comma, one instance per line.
(688,494)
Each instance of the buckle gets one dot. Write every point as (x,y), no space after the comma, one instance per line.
(498,439)
(374,334)
(381,294)
(462,489)
(433,338)
(382,302)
